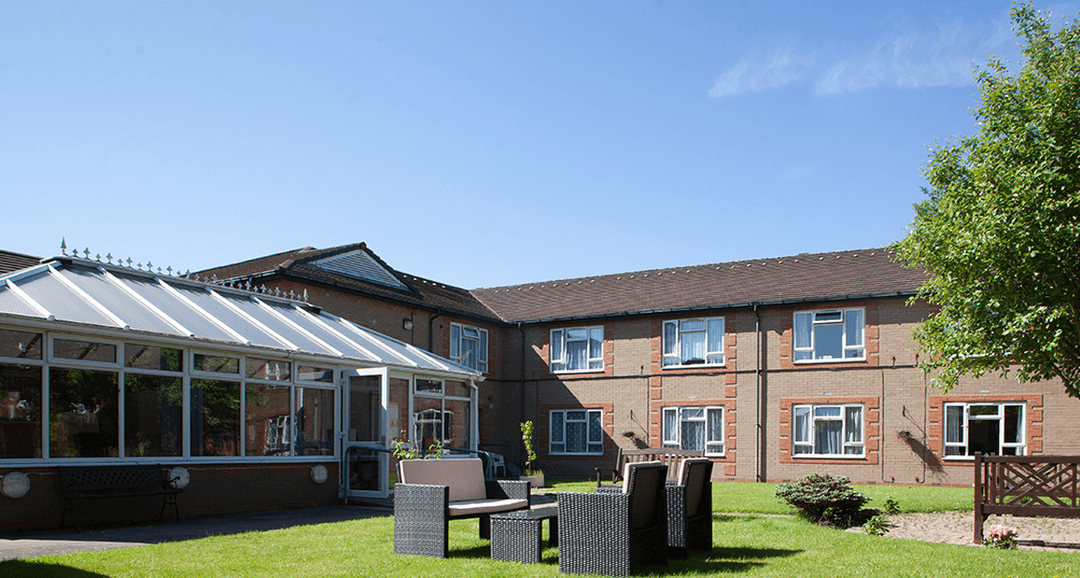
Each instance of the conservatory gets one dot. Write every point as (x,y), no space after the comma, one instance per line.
(257,399)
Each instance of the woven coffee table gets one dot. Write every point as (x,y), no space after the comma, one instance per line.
(516,536)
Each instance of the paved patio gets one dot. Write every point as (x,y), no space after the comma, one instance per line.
(30,544)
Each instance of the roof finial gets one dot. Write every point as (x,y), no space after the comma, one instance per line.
(63,246)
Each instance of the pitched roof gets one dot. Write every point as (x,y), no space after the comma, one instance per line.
(14,261)
(799,278)
(356,268)
(108,298)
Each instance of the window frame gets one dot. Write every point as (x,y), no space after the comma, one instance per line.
(965,439)
(457,339)
(814,418)
(588,433)
(673,350)
(563,339)
(846,344)
(121,374)
(676,442)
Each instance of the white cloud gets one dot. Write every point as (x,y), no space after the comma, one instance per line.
(751,75)
(940,58)
(944,58)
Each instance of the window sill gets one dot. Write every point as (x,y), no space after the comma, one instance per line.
(571,454)
(695,366)
(828,456)
(836,360)
(577,371)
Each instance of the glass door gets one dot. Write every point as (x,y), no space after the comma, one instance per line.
(365,454)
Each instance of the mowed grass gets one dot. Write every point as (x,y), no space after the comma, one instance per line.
(747,545)
(754,498)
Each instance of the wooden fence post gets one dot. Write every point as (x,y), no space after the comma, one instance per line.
(978,499)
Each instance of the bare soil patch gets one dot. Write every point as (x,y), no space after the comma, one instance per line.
(957,528)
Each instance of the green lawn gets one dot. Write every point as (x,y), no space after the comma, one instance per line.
(747,545)
(754,498)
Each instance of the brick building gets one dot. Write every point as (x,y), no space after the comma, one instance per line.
(267,379)
(776,368)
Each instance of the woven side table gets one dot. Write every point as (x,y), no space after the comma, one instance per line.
(516,536)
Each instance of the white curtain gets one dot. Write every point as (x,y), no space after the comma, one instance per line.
(828,437)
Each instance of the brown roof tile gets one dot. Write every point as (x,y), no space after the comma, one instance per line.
(421,292)
(798,278)
(14,261)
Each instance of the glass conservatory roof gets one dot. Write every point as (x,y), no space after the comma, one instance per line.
(109,297)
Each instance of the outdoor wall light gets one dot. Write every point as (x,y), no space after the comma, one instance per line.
(407,324)
(179,477)
(15,485)
(319,474)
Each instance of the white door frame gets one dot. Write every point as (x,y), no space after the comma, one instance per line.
(381,444)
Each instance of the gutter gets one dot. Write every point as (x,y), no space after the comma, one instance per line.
(759,432)
(521,396)
(430,329)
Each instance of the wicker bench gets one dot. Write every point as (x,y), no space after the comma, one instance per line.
(669,456)
(87,483)
(433,492)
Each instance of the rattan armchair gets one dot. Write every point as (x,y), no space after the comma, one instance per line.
(689,508)
(610,532)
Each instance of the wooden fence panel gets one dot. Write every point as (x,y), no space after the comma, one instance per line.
(1027,486)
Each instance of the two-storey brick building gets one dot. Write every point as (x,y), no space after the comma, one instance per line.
(775,368)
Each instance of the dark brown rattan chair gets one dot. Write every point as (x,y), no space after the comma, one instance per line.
(611,532)
(689,507)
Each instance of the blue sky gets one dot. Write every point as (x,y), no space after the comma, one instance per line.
(480,143)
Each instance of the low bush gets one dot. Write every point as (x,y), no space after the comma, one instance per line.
(824,499)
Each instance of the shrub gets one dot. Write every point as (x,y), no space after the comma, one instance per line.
(876,525)
(824,499)
(892,506)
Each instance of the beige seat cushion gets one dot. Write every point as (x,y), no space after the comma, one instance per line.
(465,476)
(477,507)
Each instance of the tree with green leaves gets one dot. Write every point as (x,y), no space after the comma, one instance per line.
(999,234)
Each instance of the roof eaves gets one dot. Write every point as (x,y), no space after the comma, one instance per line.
(349,287)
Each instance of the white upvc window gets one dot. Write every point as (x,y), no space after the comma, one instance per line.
(693,342)
(828,430)
(576,431)
(830,335)
(577,349)
(695,428)
(469,346)
(991,428)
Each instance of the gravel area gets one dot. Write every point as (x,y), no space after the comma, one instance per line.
(1061,535)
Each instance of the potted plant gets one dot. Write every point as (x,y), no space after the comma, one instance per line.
(534,477)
